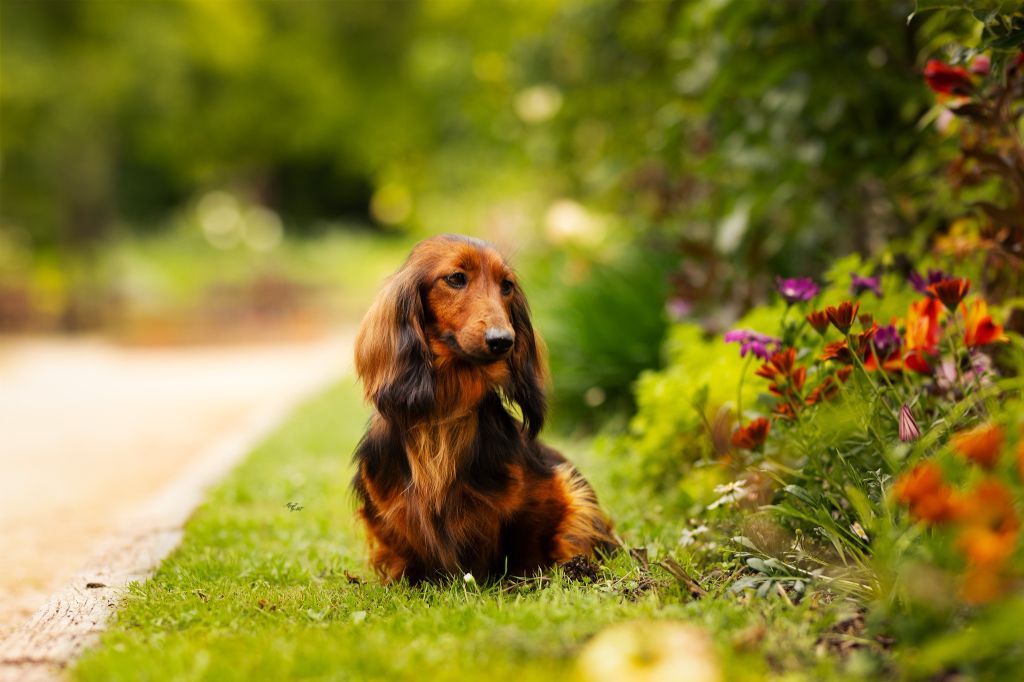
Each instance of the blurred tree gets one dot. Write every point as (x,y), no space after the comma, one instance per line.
(756,138)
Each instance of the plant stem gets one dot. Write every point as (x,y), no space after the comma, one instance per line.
(739,391)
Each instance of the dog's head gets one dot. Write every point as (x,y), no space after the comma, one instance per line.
(455,316)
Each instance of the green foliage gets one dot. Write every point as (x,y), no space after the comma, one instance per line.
(727,128)
(825,477)
(601,331)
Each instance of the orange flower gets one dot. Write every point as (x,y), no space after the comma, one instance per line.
(989,506)
(982,584)
(923,325)
(980,445)
(922,334)
(751,436)
(785,411)
(843,315)
(983,546)
(1020,456)
(790,388)
(988,539)
(787,378)
(981,330)
(951,291)
(818,320)
(924,492)
(893,363)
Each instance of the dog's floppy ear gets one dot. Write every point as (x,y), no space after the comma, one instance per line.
(392,356)
(527,364)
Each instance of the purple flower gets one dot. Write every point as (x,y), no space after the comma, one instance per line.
(796,289)
(921,283)
(760,345)
(887,341)
(858,285)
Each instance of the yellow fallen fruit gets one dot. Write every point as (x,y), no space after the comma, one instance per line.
(649,651)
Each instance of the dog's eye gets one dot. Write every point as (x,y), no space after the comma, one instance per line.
(456,280)
(507,287)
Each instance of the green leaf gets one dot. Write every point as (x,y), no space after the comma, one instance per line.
(1011,41)
(799,493)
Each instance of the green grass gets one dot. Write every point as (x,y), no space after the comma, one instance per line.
(257,591)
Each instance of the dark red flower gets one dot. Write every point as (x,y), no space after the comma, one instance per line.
(779,364)
(837,350)
(1018,61)
(825,390)
(946,79)
(843,315)
(951,291)
(785,411)
(818,320)
(751,436)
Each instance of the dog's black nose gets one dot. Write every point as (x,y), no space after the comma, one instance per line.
(498,340)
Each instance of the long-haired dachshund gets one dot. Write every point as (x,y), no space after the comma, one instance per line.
(448,480)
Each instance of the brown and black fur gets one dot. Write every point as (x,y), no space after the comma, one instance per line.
(448,480)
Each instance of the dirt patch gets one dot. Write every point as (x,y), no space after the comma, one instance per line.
(92,431)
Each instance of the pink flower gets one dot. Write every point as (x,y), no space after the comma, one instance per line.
(908,426)
(760,345)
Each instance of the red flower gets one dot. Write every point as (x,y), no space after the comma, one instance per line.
(751,436)
(946,79)
(981,65)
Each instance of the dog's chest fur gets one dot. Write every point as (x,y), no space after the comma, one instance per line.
(451,495)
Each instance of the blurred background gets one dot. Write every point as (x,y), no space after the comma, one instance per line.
(212,171)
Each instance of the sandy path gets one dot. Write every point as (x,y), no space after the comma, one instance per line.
(90,431)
